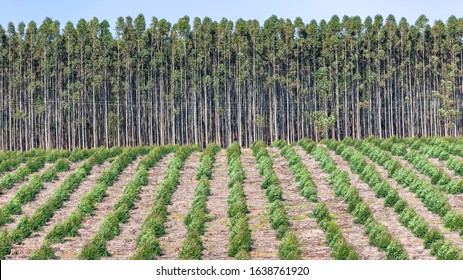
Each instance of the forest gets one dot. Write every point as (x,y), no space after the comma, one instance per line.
(199,81)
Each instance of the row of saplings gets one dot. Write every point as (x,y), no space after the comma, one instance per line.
(29,224)
(435,201)
(378,235)
(422,164)
(340,248)
(87,205)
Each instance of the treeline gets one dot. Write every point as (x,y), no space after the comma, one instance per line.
(204,81)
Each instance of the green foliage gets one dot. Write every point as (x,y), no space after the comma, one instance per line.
(240,234)
(153,225)
(453,220)
(278,217)
(44,253)
(96,248)
(379,235)
(289,248)
(196,218)
(32,165)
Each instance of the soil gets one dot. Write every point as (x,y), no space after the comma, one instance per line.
(23,250)
(123,246)
(455,200)
(442,165)
(216,237)
(263,237)
(46,192)
(172,241)
(312,239)
(355,234)
(7,194)
(384,215)
(90,225)
(433,220)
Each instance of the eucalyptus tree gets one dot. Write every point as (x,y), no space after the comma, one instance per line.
(200,81)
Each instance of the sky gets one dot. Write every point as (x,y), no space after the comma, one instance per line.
(172,10)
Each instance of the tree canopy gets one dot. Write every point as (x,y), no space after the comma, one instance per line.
(200,81)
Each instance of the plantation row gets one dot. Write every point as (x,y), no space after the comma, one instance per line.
(355,199)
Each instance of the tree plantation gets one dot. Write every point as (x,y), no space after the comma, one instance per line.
(200,81)
(371,199)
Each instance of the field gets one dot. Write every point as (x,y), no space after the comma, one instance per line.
(354,199)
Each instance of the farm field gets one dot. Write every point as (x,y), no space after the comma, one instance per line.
(353,199)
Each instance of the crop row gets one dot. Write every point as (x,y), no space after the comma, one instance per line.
(340,248)
(422,164)
(153,226)
(433,238)
(109,228)
(439,152)
(289,248)
(86,206)
(432,198)
(197,216)
(378,234)
(28,225)
(240,235)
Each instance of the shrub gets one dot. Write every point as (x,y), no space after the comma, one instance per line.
(453,220)
(289,248)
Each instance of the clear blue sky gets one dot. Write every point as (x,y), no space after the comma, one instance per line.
(37,10)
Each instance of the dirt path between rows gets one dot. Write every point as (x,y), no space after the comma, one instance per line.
(72,245)
(384,215)
(442,165)
(438,163)
(263,237)
(8,194)
(46,192)
(172,241)
(433,220)
(123,246)
(216,237)
(312,239)
(455,200)
(23,250)
(355,234)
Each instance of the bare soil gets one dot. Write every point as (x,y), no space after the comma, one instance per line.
(354,233)
(263,237)
(8,194)
(172,241)
(216,237)
(384,215)
(72,245)
(455,200)
(312,239)
(23,250)
(123,246)
(442,165)
(433,220)
(46,192)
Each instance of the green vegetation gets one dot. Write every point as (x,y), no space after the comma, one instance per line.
(340,248)
(153,225)
(240,234)
(28,225)
(432,198)
(279,220)
(378,234)
(185,82)
(71,225)
(407,215)
(96,248)
(197,217)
